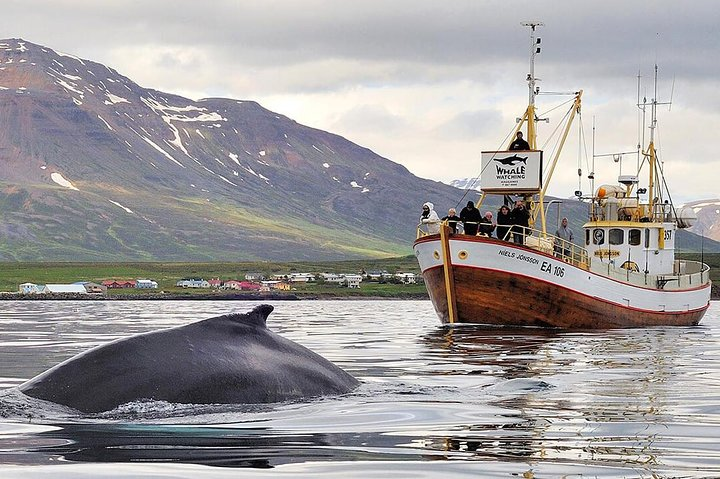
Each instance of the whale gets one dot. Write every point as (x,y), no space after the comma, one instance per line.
(229,359)
(512,160)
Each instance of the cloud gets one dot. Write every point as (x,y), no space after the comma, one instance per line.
(469,125)
(364,118)
(413,78)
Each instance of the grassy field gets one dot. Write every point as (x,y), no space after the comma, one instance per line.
(168,274)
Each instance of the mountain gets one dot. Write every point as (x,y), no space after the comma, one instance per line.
(96,167)
(708,218)
(467,183)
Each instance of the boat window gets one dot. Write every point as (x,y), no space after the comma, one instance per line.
(587,237)
(634,237)
(616,236)
(598,236)
(647,237)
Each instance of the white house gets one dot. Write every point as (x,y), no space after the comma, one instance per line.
(333,278)
(353,280)
(301,277)
(147,284)
(31,288)
(192,283)
(66,288)
(378,275)
(406,278)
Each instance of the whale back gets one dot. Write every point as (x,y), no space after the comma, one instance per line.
(229,359)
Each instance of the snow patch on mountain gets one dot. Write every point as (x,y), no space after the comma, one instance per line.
(466,183)
(114,99)
(60,180)
(127,210)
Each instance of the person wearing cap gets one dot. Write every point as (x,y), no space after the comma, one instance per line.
(470,217)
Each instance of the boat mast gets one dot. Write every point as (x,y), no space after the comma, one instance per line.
(532,89)
(651,153)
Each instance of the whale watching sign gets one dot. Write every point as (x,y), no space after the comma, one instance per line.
(511,171)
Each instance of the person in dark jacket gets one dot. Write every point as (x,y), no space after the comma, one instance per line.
(487,226)
(452,219)
(519,143)
(504,223)
(470,217)
(521,221)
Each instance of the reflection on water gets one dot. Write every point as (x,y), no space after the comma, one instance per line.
(618,403)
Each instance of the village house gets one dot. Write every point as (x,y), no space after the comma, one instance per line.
(378,275)
(353,280)
(333,278)
(254,276)
(66,288)
(32,288)
(93,288)
(146,284)
(406,278)
(118,283)
(192,283)
(215,283)
(241,285)
(301,277)
(279,285)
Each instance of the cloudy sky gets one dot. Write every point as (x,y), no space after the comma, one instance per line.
(425,83)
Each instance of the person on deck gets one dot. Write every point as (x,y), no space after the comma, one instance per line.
(452,219)
(504,223)
(564,233)
(430,218)
(486,224)
(520,221)
(519,143)
(470,217)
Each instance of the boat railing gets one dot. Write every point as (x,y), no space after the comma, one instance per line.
(562,249)
(686,274)
(426,229)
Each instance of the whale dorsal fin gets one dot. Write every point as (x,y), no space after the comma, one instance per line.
(256,317)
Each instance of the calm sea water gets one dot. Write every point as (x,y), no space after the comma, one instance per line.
(434,401)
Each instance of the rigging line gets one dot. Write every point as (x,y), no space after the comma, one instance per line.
(584,144)
(560,124)
(557,106)
(582,148)
(667,190)
(558,138)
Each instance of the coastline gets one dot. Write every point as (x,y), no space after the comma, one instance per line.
(238,296)
(204,297)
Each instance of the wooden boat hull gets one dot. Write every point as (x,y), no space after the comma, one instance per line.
(499,283)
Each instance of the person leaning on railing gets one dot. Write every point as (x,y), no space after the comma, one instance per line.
(470,217)
(520,221)
(504,222)
(452,219)
(430,218)
(487,226)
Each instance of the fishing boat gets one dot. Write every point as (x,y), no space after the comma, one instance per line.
(620,273)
